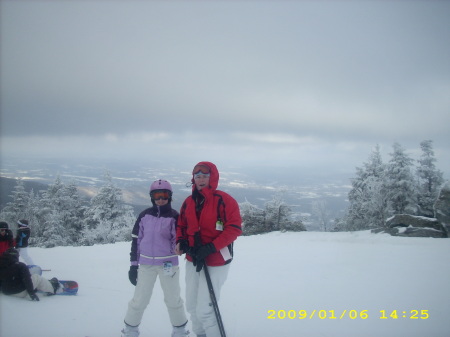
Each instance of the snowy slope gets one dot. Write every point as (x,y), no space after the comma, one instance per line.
(308,271)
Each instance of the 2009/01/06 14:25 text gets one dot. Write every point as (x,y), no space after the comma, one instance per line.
(352,314)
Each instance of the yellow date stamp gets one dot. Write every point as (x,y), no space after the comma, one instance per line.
(347,314)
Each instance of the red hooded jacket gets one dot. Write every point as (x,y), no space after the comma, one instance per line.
(6,241)
(218,207)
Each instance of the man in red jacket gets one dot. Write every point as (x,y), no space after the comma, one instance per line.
(208,224)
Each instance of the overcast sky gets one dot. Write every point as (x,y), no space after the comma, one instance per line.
(294,83)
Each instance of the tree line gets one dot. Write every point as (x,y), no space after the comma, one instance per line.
(60,217)
(379,190)
(400,186)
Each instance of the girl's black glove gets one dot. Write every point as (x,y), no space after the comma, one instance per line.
(184,246)
(132,274)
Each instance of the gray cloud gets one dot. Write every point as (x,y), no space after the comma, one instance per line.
(336,72)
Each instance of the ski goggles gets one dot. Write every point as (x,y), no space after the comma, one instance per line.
(156,195)
(201,176)
(201,170)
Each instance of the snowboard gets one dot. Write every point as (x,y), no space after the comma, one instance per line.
(67,288)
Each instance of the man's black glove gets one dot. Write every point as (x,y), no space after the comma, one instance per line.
(198,264)
(34,297)
(132,274)
(201,253)
(184,246)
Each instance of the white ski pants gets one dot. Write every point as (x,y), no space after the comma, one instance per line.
(39,283)
(170,285)
(198,299)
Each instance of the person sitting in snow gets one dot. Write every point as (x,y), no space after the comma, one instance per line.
(6,237)
(152,255)
(22,237)
(16,280)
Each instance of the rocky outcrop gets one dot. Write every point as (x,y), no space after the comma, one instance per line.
(420,226)
(414,226)
(406,220)
(442,207)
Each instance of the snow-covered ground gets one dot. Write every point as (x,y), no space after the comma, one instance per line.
(359,276)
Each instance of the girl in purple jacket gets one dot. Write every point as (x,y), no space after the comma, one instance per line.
(152,255)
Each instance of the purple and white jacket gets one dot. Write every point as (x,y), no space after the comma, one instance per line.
(154,236)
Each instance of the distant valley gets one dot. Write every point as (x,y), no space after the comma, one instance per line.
(298,191)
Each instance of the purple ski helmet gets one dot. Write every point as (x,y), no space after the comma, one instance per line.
(161,185)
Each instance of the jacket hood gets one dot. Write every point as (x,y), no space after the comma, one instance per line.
(213,178)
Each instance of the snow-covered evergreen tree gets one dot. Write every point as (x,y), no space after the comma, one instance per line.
(430,179)
(276,216)
(279,215)
(401,189)
(253,219)
(340,225)
(108,219)
(21,206)
(72,213)
(368,202)
(53,231)
(60,215)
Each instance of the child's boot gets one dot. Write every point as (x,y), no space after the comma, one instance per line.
(180,331)
(130,331)
(56,286)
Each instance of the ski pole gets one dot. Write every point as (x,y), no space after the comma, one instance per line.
(214,302)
